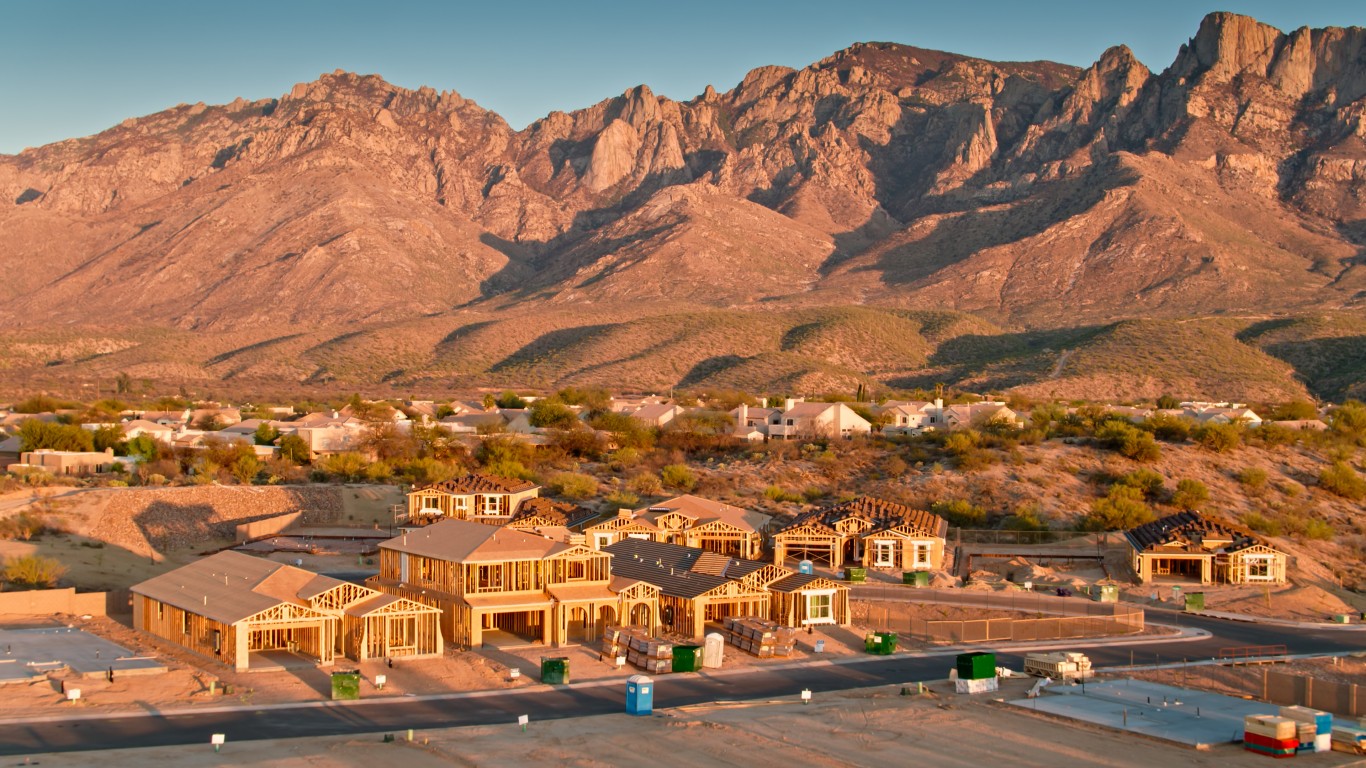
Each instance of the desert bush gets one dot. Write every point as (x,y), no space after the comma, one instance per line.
(33,571)
(1253,477)
(678,477)
(622,499)
(348,466)
(1318,530)
(777,494)
(1341,479)
(645,484)
(245,468)
(573,485)
(1121,509)
(1262,524)
(1190,495)
(1150,482)
(960,512)
(24,526)
(623,459)
(1220,438)
(1129,441)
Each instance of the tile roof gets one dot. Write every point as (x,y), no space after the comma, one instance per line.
(1188,530)
(556,512)
(467,541)
(881,513)
(478,482)
(670,567)
(705,510)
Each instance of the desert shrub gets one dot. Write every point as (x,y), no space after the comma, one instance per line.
(1129,441)
(379,471)
(1275,435)
(583,443)
(33,571)
(1121,509)
(645,484)
(623,459)
(777,494)
(1024,518)
(245,467)
(1341,479)
(1172,429)
(1150,482)
(814,493)
(1318,530)
(24,526)
(348,466)
(622,499)
(1348,422)
(1253,477)
(294,450)
(35,434)
(550,413)
(573,485)
(975,460)
(421,472)
(679,477)
(894,466)
(960,512)
(1262,524)
(1190,495)
(1220,438)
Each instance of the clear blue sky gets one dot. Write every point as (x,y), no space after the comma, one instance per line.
(74,67)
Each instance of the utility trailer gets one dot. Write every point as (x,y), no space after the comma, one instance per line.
(1062,666)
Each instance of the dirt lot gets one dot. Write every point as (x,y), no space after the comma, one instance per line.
(872,727)
(1246,680)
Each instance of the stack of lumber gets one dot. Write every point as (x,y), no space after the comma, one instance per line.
(640,648)
(1349,738)
(1315,727)
(1270,735)
(761,637)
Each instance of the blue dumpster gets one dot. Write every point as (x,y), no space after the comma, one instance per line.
(806,567)
(640,695)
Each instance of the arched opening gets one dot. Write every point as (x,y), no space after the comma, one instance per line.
(579,629)
(640,615)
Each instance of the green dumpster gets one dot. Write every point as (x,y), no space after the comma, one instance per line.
(555,670)
(687,658)
(856,574)
(978,665)
(1107,593)
(1195,601)
(916,578)
(345,686)
(880,643)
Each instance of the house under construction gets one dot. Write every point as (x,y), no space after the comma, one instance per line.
(1189,546)
(869,532)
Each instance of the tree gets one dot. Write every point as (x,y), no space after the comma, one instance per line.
(960,512)
(550,413)
(144,448)
(266,434)
(347,465)
(245,468)
(1341,479)
(1172,429)
(1220,438)
(294,450)
(1349,421)
(573,485)
(1151,483)
(1295,410)
(1168,403)
(109,436)
(1128,440)
(1121,509)
(1190,495)
(33,571)
(36,434)
(678,477)
(509,399)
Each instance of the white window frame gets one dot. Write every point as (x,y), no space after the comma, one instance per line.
(828,608)
(462,503)
(601,540)
(1260,561)
(883,547)
(491,505)
(922,554)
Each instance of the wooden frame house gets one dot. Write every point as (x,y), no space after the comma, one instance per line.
(552,519)
(689,521)
(509,586)
(230,605)
(1189,546)
(484,498)
(869,532)
(697,587)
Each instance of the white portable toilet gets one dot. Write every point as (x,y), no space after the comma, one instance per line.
(713,648)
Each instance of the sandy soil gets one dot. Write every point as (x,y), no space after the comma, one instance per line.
(871,727)
(1299,602)
(1246,680)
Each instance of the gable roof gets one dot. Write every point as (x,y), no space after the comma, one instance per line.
(553,512)
(478,482)
(230,586)
(467,541)
(881,513)
(704,510)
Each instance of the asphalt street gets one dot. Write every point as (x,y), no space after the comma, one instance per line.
(544,703)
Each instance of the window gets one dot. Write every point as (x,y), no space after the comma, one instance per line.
(884,553)
(601,540)
(490,578)
(921,554)
(462,503)
(576,569)
(493,505)
(820,607)
(1258,567)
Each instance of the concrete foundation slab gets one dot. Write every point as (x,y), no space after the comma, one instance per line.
(41,651)
(1181,715)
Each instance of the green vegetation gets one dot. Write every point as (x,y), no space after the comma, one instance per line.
(1190,495)
(573,485)
(35,434)
(1341,479)
(961,513)
(32,571)
(679,477)
(1121,509)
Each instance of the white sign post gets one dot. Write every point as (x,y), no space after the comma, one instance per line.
(380,680)
(522,720)
(217,741)
(806,695)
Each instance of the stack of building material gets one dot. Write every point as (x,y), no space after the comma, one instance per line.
(761,637)
(1316,727)
(640,648)
(975,673)
(1349,738)
(1270,735)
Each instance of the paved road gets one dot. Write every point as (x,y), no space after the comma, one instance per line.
(396,715)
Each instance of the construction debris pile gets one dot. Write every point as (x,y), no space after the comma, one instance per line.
(760,637)
(639,647)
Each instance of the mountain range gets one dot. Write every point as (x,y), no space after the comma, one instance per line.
(888,214)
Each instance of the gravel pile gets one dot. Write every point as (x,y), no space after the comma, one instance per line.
(177,518)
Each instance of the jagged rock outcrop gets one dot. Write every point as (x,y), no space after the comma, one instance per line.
(1031,192)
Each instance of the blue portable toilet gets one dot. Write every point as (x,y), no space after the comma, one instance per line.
(806,567)
(640,695)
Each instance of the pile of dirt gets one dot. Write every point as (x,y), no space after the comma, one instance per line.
(164,518)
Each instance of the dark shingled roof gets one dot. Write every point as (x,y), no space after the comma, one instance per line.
(476,482)
(557,512)
(882,514)
(670,566)
(1188,529)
